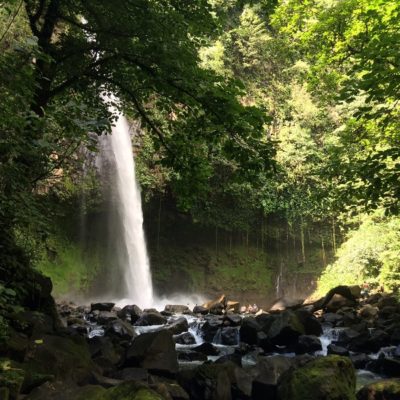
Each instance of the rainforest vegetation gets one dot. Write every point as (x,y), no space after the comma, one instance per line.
(267,127)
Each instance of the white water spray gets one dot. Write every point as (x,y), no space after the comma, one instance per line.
(129,257)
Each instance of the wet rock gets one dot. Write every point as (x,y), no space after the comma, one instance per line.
(311,325)
(101,306)
(178,326)
(338,350)
(207,348)
(131,374)
(176,309)
(359,360)
(209,381)
(229,336)
(185,338)
(233,319)
(374,298)
(191,356)
(308,344)
(388,389)
(105,353)
(388,312)
(248,331)
(170,391)
(338,301)
(104,317)
(106,382)
(151,318)
(286,329)
(210,327)
(130,312)
(200,310)
(332,318)
(387,301)
(234,358)
(120,329)
(368,311)
(154,351)
(328,378)
(32,323)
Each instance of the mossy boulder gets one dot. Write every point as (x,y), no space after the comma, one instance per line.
(388,389)
(209,381)
(129,391)
(326,378)
(67,391)
(63,357)
(286,328)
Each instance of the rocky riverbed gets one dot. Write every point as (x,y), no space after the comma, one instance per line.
(342,347)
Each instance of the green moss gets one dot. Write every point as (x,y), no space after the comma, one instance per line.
(328,378)
(11,378)
(131,391)
(384,389)
(70,270)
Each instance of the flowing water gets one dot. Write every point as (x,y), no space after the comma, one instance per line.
(130,281)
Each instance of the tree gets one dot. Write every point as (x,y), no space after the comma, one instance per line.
(71,53)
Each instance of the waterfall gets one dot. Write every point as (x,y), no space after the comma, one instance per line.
(129,277)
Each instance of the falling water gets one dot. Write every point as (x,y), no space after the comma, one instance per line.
(130,280)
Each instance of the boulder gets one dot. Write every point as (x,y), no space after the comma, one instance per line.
(207,348)
(200,310)
(131,313)
(387,300)
(178,326)
(286,328)
(151,318)
(337,302)
(311,325)
(210,327)
(66,391)
(154,351)
(101,306)
(104,317)
(131,374)
(209,381)
(176,309)
(329,378)
(308,344)
(63,357)
(185,338)
(232,319)
(130,390)
(105,353)
(368,312)
(248,331)
(170,391)
(338,350)
(120,329)
(191,356)
(229,336)
(388,389)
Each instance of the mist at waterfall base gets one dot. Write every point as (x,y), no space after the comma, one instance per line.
(125,276)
